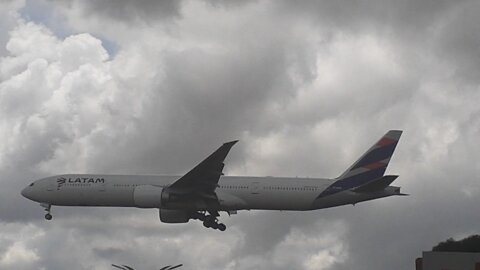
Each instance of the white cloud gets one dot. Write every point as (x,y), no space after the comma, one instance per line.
(50,99)
(8,19)
(15,240)
(28,42)
(320,248)
(306,95)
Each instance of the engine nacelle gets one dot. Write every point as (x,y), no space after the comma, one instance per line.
(174,216)
(147,196)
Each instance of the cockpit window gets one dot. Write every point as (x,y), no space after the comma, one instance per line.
(32,184)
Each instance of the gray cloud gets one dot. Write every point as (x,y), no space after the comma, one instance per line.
(409,18)
(306,87)
(456,41)
(126,11)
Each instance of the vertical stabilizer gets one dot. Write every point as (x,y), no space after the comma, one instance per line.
(369,166)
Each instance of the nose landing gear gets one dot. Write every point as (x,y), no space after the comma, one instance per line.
(47,207)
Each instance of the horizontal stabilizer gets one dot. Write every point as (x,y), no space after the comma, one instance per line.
(377,184)
(369,167)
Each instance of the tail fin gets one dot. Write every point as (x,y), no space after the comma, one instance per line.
(369,166)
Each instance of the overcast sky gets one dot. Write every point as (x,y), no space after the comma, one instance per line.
(152,87)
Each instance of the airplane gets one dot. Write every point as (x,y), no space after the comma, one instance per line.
(204,191)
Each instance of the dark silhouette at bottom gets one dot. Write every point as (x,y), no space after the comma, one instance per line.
(126,267)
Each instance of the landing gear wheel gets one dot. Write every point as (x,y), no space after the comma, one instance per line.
(207,223)
(199,216)
(210,221)
(47,208)
(222,227)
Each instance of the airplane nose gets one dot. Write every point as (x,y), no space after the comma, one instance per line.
(25,192)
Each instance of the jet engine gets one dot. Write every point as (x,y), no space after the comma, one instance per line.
(174,216)
(147,196)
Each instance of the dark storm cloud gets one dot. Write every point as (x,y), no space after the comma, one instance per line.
(457,40)
(400,16)
(211,97)
(203,102)
(447,28)
(128,11)
(143,11)
(307,87)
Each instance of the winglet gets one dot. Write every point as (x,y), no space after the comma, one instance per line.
(204,177)
(222,151)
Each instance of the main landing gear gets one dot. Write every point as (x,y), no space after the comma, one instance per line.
(47,208)
(210,221)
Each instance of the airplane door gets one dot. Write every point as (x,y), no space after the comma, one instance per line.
(103,187)
(50,186)
(254,188)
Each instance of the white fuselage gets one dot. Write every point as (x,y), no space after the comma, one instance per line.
(233,192)
(203,191)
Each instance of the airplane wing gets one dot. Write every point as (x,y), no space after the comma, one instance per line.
(203,178)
